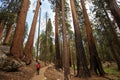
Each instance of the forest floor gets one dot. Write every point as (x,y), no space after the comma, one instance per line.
(110,69)
(50,73)
(41,74)
(24,73)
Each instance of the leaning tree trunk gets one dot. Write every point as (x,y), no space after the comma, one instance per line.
(95,62)
(17,44)
(65,51)
(115,10)
(82,68)
(29,45)
(57,47)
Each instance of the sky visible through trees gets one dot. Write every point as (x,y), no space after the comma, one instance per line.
(45,7)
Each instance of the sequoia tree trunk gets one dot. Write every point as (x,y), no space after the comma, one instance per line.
(95,63)
(57,47)
(17,44)
(82,68)
(29,45)
(65,51)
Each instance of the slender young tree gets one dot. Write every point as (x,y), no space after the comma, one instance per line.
(82,69)
(49,39)
(95,63)
(42,46)
(46,39)
(38,41)
(17,44)
(47,56)
(65,51)
(29,44)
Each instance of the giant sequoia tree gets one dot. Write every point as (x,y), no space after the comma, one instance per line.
(82,69)
(29,44)
(65,51)
(95,62)
(49,35)
(57,46)
(17,44)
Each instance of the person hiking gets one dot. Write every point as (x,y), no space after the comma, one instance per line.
(38,67)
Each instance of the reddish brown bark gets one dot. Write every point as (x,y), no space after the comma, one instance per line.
(95,62)
(17,44)
(57,46)
(65,51)
(29,45)
(82,68)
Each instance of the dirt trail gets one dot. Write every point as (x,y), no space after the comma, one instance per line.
(41,75)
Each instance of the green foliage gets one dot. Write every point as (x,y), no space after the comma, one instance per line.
(49,40)
(9,10)
(49,29)
(46,44)
(53,4)
(100,20)
(42,49)
(112,71)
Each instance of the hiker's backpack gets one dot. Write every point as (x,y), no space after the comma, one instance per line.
(38,65)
